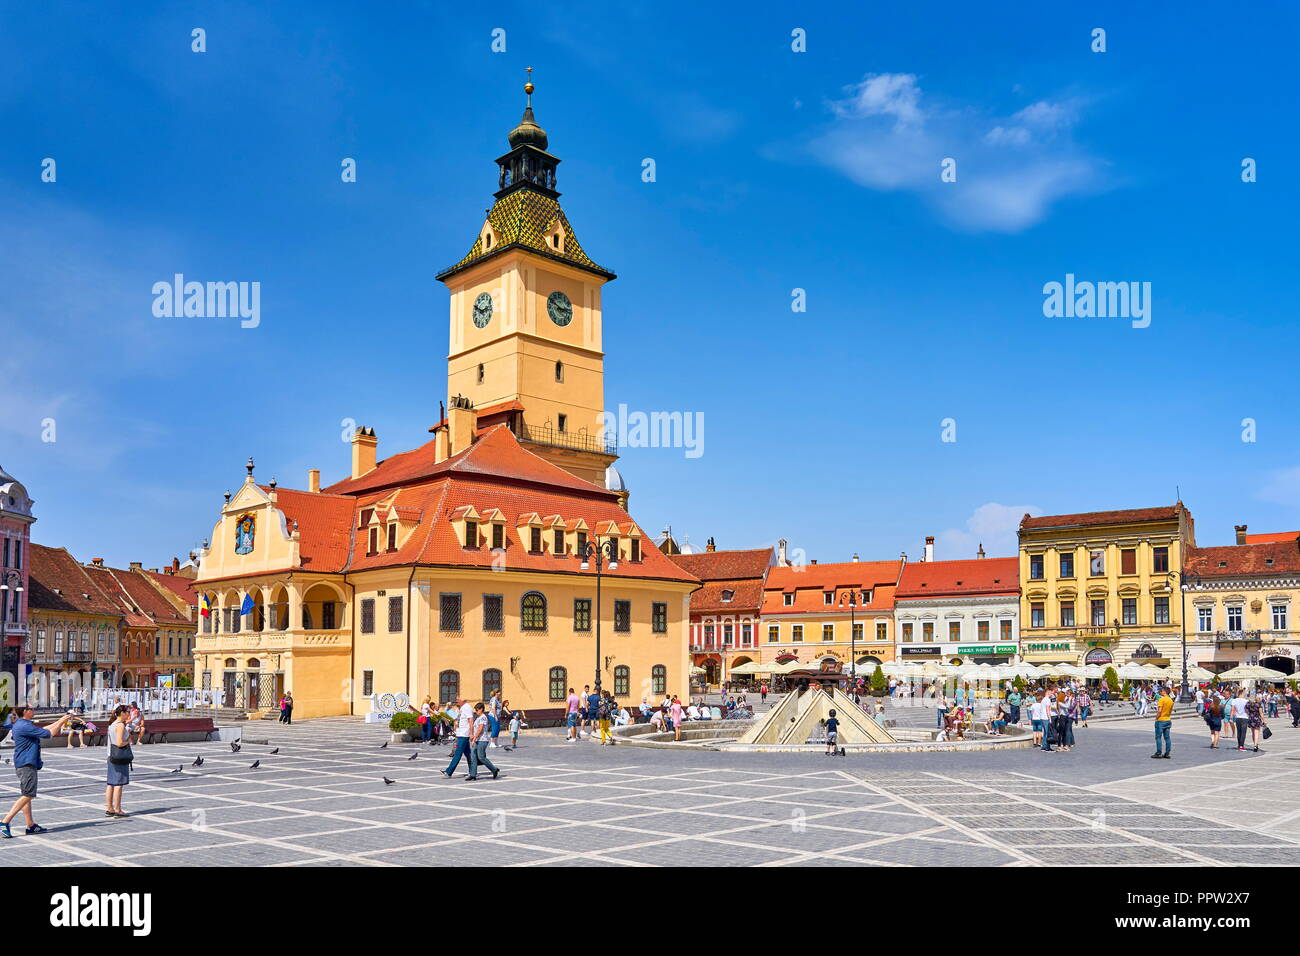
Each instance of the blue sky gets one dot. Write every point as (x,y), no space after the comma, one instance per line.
(776,170)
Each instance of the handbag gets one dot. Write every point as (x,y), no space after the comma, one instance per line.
(120,755)
(1267,732)
(422,719)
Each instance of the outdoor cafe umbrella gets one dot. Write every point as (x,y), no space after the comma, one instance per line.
(1252,672)
(752,667)
(1199,673)
(1131,671)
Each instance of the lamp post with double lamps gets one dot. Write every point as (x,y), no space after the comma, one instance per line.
(599,554)
(1186,582)
(853,637)
(11,589)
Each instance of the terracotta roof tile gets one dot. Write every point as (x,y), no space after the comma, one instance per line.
(1234,560)
(953,578)
(726,565)
(809,582)
(1130,516)
(59,582)
(1272,536)
(747,597)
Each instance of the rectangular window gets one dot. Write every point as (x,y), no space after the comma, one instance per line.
(394,614)
(374,541)
(659,619)
(1099,613)
(857,632)
(498,536)
(582,545)
(622,616)
(635,545)
(558,545)
(728,635)
(535,540)
(563,424)
(982,630)
(828,632)
(1036,567)
(327,616)
(708,635)
(927,632)
(1067,564)
(1279,617)
(1205,619)
(18,554)
(1036,614)
(614,547)
(392,537)
(787,599)
(1162,610)
(1004,630)
(746,630)
(582,614)
(828,597)
(6,560)
(367,615)
(1234,618)
(796,633)
(367,683)
(40,642)
(494,618)
(1160,560)
(1067,614)
(622,681)
(954,631)
(907,633)
(449,612)
(1129,610)
(471,534)
(773,633)
(882,631)
(1097,562)
(1128,561)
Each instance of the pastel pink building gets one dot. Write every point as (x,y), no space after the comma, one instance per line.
(15,546)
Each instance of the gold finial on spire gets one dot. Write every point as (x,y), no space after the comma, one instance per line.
(528,87)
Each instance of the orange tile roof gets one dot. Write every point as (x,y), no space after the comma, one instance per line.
(59,582)
(1131,516)
(1235,560)
(955,578)
(1272,536)
(746,598)
(726,565)
(809,582)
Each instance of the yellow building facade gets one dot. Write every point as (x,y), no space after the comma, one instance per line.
(1103,587)
(457,568)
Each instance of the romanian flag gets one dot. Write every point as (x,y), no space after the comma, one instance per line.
(205,605)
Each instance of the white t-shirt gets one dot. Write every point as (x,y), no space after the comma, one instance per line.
(1238,707)
(463,721)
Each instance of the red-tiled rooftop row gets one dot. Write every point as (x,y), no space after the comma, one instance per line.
(1130,516)
(973,576)
(726,565)
(1233,560)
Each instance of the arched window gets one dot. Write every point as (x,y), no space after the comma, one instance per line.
(491,682)
(559,683)
(559,371)
(230,663)
(254,662)
(533,612)
(622,681)
(448,686)
(659,679)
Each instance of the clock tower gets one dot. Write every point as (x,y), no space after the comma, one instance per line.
(525,342)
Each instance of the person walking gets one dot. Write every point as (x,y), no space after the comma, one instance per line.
(676,709)
(1239,717)
(27,765)
(479,744)
(603,711)
(1255,720)
(464,728)
(286,708)
(762,692)
(1164,720)
(119,762)
(1293,705)
(1013,705)
(494,713)
(426,719)
(940,706)
(572,706)
(1212,714)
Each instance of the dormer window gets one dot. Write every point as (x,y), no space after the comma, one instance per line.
(471,534)
(789,600)
(559,541)
(498,536)
(392,536)
(636,549)
(535,544)
(828,597)
(366,515)
(374,541)
(727,595)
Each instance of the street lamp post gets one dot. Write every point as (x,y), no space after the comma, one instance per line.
(599,553)
(853,637)
(1184,695)
(11,599)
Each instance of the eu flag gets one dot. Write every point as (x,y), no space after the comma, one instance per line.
(247,606)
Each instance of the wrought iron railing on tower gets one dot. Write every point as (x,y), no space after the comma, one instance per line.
(580,441)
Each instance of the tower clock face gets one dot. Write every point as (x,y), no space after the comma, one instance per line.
(559,308)
(482,310)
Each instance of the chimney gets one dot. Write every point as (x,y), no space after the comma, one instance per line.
(97,562)
(175,566)
(813,561)
(929,548)
(980,552)
(782,560)
(462,421)
(313,480)
(137,566)
(441,443)
(1241,533)
(855,557)
(711,547)
(364,451)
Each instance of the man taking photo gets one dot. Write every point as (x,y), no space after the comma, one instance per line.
(27,764)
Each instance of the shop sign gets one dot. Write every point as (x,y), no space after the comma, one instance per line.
(987,649)
(919,651)
(1060,646)
(1098,655)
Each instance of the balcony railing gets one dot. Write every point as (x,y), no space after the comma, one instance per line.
(1239,637)
(581,441)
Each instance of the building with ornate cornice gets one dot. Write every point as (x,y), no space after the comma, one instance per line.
(15,542)
(959,612)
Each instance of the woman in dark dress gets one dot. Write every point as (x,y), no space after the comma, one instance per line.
(1213,714)
(119,761)
(1255,720)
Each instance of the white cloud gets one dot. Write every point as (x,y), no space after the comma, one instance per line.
(1010,170)
(1281,487)
(992,525)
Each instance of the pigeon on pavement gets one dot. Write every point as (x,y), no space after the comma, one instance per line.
(234,748)
(177,770)
(387,781)
(383,745)
(198,762)
(256,764)
(414,755)
(276,750)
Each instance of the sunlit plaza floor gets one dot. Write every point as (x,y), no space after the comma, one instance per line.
(322,801)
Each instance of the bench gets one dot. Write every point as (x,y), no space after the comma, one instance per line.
(157,730)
